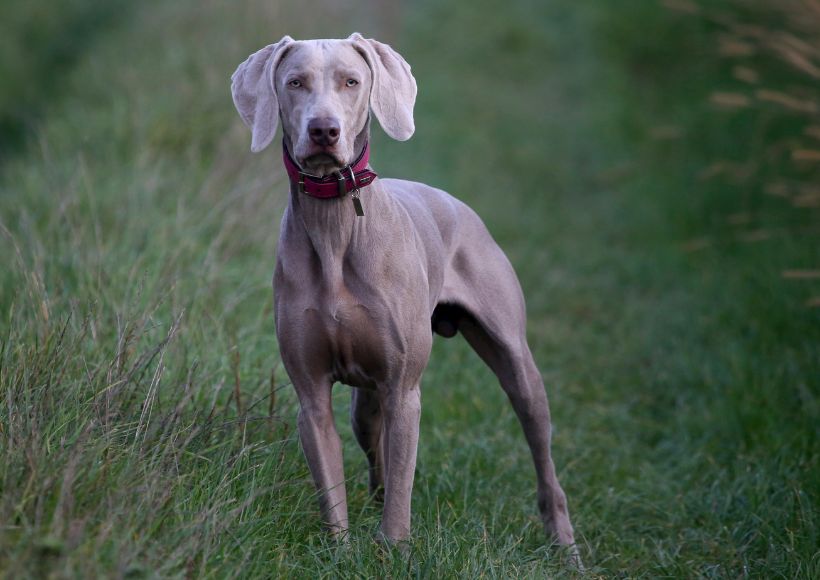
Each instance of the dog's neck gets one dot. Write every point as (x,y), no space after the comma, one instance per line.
(332,225)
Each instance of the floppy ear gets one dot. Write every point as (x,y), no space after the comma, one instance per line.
(394,89)
(254,94)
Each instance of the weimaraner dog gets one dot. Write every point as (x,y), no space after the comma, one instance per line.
(368,269)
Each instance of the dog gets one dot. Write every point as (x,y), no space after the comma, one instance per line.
(368,269)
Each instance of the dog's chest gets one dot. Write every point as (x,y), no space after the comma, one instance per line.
(350,340)
(351,314)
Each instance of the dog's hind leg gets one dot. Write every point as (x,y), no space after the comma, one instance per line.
(516,371)
(491,316)
(367,421)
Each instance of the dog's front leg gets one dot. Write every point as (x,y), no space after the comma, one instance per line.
(402,412)
(323,450)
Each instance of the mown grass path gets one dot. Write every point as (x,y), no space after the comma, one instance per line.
(147,428)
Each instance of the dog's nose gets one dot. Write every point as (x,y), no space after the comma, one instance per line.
(324,131)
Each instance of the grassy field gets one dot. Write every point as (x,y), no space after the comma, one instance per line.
(659,205)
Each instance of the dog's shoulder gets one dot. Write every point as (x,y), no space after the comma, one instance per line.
(420,199)
(416,196)
(429,206)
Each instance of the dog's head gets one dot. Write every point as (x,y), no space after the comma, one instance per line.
(322,90)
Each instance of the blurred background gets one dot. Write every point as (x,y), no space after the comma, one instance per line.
(652,169)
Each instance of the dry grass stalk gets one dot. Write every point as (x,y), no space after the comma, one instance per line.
(801,274)
(696,244)
(788,101)
(778,189)
(666,132)
(730,100)
(755,236)
(272,400)
(806,155)
(808,199)
(237,391)
(746,74)
(732,48)
(686,6)
(739,218)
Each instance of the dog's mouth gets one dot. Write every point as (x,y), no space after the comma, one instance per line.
(321,164)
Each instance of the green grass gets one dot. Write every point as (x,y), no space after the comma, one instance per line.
(147,427)
(39,43)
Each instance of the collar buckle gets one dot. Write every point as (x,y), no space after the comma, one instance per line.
(352,178)
(341,184)
(300,186)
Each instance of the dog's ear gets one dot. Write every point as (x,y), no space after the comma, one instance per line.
(393,93)
(254,94)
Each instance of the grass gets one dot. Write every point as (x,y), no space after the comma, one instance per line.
(147,428)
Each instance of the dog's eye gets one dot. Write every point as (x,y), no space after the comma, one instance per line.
(351,82)
(295,83)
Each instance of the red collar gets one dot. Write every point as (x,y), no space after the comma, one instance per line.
(349,178)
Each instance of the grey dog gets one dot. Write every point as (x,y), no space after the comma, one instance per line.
(359,284)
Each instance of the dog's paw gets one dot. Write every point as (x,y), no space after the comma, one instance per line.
(572,557)
(387,545)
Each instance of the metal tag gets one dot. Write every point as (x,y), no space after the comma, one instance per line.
(357,203)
